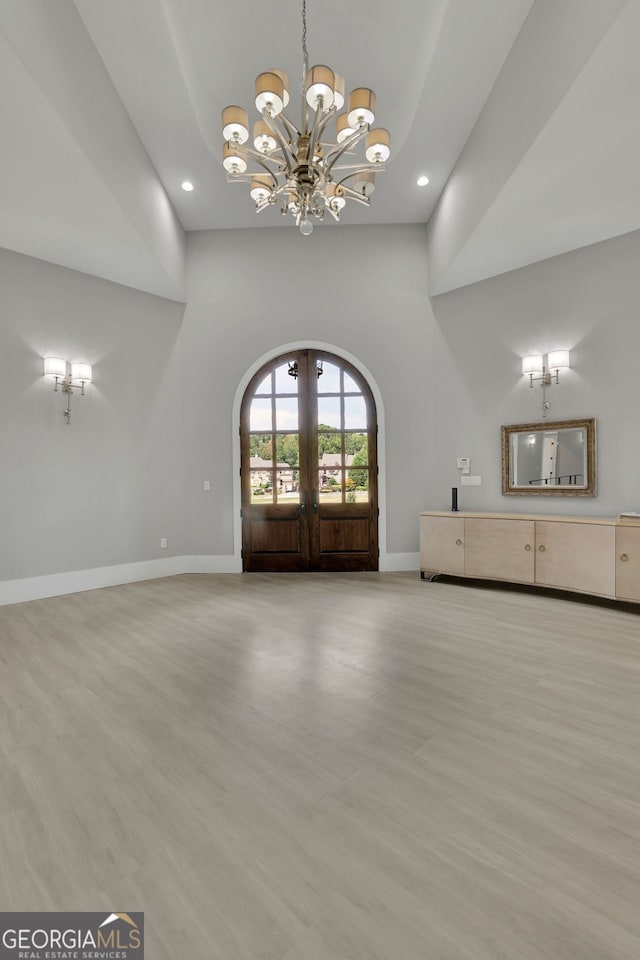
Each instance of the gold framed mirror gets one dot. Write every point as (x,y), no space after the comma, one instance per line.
(555,458)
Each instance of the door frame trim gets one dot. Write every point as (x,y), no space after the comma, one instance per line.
(235,417)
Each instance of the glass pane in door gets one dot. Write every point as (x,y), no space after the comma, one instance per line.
(330,483)
(285,382)
(287,450)
(355,413)
(329,380)
(260,415)
(262,486)
(329,412)
(350,386)
(288,486)
(286,413)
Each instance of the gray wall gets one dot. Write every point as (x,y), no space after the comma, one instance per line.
(158,419)
(586,301)
(362,290)
(104,489)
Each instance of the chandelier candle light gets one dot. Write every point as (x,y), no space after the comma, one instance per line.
(297,167)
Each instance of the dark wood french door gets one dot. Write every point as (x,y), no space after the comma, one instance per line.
(309,468)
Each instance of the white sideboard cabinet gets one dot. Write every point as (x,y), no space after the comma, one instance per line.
(585,554)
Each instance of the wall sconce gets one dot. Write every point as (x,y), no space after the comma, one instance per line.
(547,373)
(56,368)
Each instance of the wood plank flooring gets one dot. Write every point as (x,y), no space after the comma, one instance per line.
(326,767)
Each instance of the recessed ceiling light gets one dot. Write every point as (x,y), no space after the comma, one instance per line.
(187,185)
(423,181)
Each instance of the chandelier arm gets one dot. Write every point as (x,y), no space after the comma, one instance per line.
(348,176)
(265,203)
(262,160)
(329,115)
(289,125)
(351,194)
(360,168)
(344,146)
(313,136)
(284,146)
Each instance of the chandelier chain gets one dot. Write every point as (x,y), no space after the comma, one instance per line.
(305,52)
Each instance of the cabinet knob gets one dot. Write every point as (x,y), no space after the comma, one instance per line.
(459,542)
(624,556)
(542,547)
(527,546)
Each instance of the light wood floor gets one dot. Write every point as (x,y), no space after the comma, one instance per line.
(326,767)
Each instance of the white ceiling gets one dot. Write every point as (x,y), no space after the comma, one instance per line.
(106,107)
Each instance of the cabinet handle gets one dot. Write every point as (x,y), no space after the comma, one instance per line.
(527,546)
(542,547)
(624,556)
(459,542)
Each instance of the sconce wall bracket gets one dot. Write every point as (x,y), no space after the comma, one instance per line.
(69,382)
(545,374)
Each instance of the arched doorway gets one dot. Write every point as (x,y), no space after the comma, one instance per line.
(308,433)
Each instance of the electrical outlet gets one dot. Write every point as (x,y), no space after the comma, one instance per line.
(206,484)
(163,543)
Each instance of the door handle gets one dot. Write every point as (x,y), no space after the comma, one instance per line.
(315,507)
(303,507)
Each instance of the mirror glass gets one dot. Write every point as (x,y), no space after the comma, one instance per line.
(555,458)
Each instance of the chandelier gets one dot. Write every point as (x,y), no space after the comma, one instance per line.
(303,169)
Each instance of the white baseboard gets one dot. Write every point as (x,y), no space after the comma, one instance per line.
(396,562)
(76,581)
(221,564)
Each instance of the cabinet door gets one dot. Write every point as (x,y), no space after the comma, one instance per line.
(577,556)
(628,563)
(442,545)
(499,549)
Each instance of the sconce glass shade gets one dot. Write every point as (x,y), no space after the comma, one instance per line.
(261,187)
(378,145)
(235,124)
(364,183)
(321,83)
(343,130)
(263,138)
(269,93)
(55,367)
(532,365)
(362,105)
(335,197)
(81,372)
(559,360)
(285,83)
(234,158)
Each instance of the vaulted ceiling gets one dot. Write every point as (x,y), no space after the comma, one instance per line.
(523,113)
